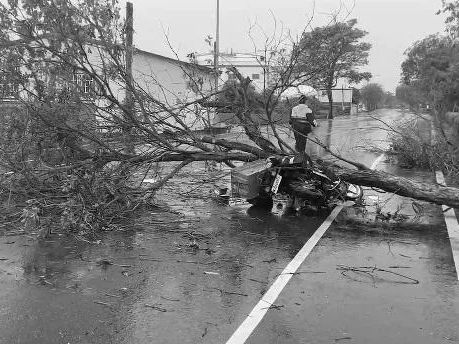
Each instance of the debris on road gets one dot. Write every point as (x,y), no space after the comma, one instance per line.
(254,280)
(227,292)
(169,299)
(273,306)
(104,304)
(104,262)
(111,295)
(304,272)
(370,271)
(156,308)
(270,261)
(342,338)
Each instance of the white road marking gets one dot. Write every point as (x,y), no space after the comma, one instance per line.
(451,221)
(452,225)
(377,161)
(247,327)
(262,307)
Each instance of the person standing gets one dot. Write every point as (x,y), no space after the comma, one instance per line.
(302,120)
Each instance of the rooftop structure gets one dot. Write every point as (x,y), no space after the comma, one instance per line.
(250,65)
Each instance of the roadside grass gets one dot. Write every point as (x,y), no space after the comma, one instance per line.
(410,143)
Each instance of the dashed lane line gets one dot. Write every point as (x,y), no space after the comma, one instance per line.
(250,323)
(452,225)
(377,161)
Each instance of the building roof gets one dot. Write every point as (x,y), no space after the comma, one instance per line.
(232,59)
(176,61)
(338,89)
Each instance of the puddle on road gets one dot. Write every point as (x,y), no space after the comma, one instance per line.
(358,295)
(190,259)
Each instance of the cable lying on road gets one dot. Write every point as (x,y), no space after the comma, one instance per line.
(371,270)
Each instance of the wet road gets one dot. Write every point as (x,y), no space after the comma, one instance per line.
(192,270)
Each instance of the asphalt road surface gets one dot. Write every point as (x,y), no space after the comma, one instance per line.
(193,270)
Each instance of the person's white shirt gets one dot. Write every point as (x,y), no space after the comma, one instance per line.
(300,112)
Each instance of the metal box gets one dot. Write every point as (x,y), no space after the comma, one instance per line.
(246,179)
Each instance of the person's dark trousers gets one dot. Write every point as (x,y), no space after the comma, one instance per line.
(300,130)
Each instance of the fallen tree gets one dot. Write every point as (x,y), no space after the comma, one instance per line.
(82,164)
(433,193)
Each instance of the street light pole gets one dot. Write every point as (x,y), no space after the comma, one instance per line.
(217,46)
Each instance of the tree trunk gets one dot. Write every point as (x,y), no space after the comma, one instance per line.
(330,103)
(398,185)
(259,153)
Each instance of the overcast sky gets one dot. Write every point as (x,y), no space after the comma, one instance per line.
(393,25)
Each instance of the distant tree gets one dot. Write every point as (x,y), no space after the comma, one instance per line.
(432,68)
(372,96)
(409,95)
(341,52)
(390,100)
(451,9)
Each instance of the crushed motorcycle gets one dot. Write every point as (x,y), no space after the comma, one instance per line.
(287,184)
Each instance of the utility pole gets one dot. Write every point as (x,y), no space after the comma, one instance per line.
(217,46)
(129,51)
(129,145)
(216,55)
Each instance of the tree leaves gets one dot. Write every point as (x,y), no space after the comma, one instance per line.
(372,95)
(432,68)
(338,49)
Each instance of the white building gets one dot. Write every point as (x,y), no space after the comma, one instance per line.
(340,95)
(175,82)
(170,81)
(249,65)
(342,99)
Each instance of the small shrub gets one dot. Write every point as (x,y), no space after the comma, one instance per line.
(411,143)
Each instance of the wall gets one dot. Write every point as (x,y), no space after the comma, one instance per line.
(339,95)
(170,81)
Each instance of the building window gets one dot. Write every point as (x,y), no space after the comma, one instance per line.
(9,87)
(84,84)
(255,76)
